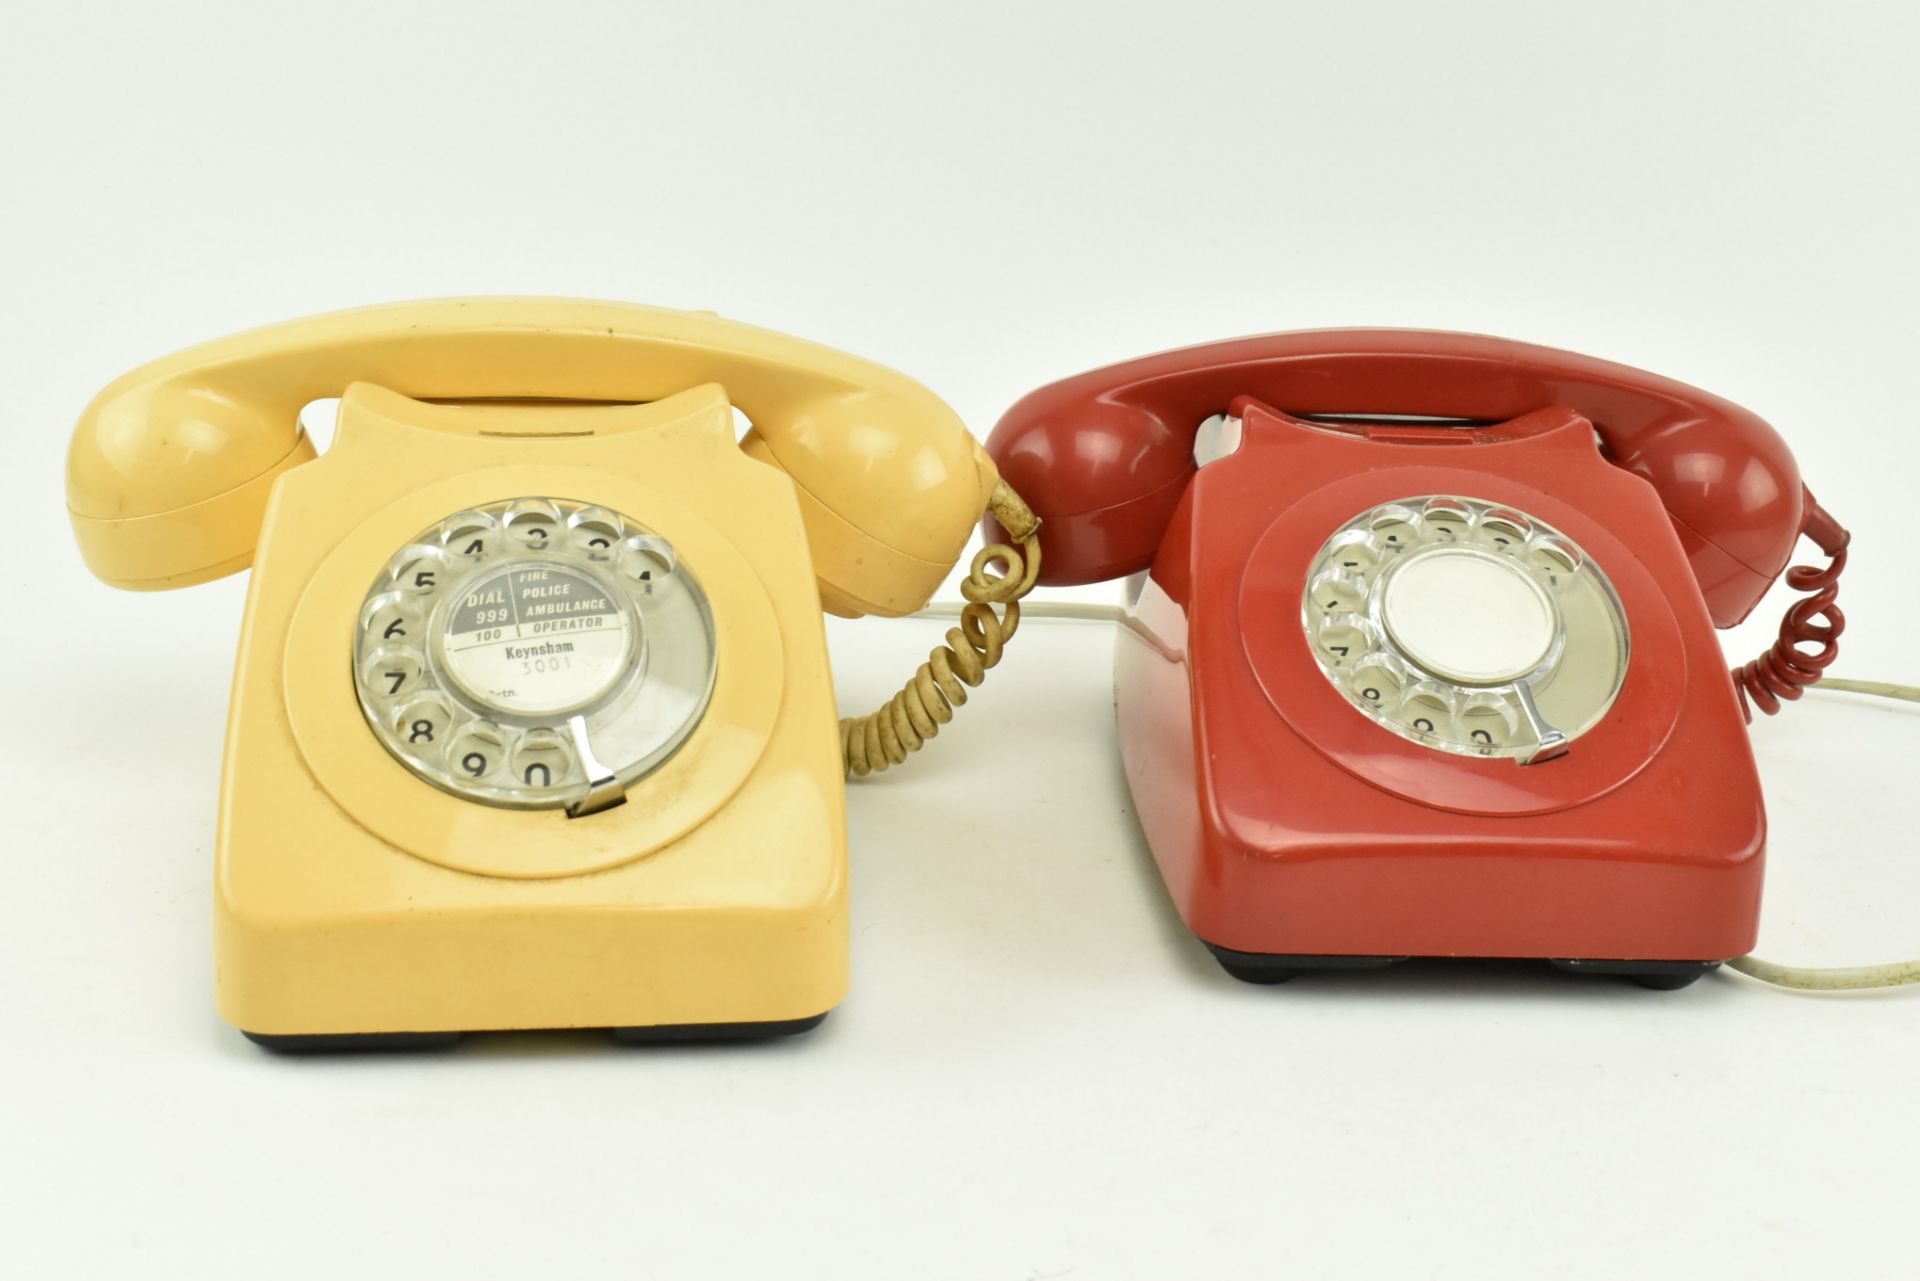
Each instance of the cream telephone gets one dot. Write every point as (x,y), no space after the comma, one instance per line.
(532,723)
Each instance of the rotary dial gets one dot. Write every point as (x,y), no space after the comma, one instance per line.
(534,653)
(1466,626)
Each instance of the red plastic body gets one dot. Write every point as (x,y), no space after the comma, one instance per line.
(1286,822)
(1104,457)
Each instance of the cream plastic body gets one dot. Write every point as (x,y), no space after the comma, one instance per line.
(351,896)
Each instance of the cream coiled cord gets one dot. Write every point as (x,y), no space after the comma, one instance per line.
(870,744)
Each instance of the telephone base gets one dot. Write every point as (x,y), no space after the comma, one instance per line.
(1270,968)
(666,1034)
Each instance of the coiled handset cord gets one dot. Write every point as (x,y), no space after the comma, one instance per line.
(1786,669)
(1777,677)
(1808,642)
(1000,575)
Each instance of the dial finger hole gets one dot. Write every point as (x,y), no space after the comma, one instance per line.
(393,672)
(1339,591)
(477,750)
(1378,680)
(1354,551)
(419,570)
(541,759)
(390,616)
(1343,639)
(422,724)
(1555,558)
(646,559)
(595,532)
(1503,530)
(1488,721)
(470,536)
(1445,519)
(534,524)
(1395,527)
(1427,706)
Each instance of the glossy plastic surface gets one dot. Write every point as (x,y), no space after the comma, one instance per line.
(1104,457)
(1285,822)
(171,465)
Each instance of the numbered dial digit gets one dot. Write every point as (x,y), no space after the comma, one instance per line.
(422,724)
(470,537)
(542,760)
(393,671)
(420,571)
(502,648)
(1466,626)
(389,618)
(596,534)
(478,749)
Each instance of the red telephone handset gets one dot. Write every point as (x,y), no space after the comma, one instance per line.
(1104,457)
(1425,660)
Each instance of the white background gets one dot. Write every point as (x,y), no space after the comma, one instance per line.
(1038,1073)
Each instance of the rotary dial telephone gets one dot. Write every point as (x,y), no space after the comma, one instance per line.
(532,721)
(1420,655)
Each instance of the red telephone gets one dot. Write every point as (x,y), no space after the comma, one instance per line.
(1424,661)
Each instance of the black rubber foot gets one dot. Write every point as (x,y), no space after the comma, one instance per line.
(674,1032)
(1661,976)
(1269,968)
(353,1042)
(366,1042)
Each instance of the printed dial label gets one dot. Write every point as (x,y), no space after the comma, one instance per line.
(537,639)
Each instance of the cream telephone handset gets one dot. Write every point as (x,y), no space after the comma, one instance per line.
(532,720)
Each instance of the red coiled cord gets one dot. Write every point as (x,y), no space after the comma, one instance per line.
(1785,670)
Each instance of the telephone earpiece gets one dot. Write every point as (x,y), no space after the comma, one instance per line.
(889,501)
(1104,457)
(1103,472)
(167,480)
(171,466)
